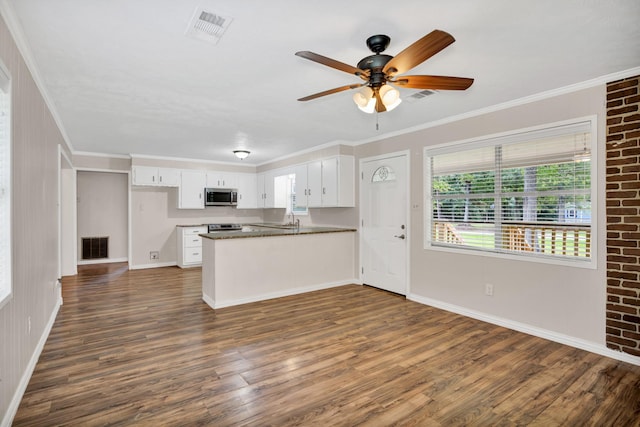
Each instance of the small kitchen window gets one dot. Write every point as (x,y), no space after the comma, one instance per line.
(5,186)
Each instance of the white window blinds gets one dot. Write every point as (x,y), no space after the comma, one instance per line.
(527,193)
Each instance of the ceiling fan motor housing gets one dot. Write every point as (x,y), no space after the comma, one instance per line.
(375,64)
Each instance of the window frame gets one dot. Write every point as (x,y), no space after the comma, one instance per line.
(517,135)
(6,281)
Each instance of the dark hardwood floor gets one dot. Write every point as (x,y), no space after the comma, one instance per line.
(141,348)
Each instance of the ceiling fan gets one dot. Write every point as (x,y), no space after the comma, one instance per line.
(379,71)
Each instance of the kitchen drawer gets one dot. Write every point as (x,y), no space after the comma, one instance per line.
(192,255)
(188,231)
(192,241)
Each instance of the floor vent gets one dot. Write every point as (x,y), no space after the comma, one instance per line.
(95,247)
(208,26)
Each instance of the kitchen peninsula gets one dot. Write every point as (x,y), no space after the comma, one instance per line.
(262,262)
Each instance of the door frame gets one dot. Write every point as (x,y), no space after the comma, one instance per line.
(71,226)
(407,156)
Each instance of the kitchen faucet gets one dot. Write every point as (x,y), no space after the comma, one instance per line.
(295,222)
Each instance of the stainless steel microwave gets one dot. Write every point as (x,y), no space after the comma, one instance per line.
(220,197)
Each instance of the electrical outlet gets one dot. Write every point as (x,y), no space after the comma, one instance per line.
(154,255)
(488,289)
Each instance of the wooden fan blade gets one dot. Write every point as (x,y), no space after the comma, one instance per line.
(380,108)
(433,82)
(419,52)
(330,91)
(332,63)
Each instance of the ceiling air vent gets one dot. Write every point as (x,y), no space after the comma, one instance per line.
(208,26)
(419,95)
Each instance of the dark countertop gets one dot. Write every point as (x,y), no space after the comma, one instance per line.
(270,230)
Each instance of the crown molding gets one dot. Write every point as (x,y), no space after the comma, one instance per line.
(509,104)
(13,24)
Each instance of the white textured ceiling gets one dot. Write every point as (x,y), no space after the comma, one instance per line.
(125,79)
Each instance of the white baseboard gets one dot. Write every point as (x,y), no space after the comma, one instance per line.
(31,366)
(210,302)
(102,261)
(154,265)
(279,294)
(528,329)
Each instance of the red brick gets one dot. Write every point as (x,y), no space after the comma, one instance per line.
(622,93)
(622,227)
(631,236)
(611,154)
(630,335)
(622,161)
(615,332)
(632,118)
(631,284)
(613,346)
(622,84)
(613,315)
(621,259)
(631,168)
(631,351)
(614,120)
(634,134)
(630,185)
(635,302)
(612,170)
(623,110)
(613,282)
(622,341)
(626,177)
(631,267)
(615,103)
(621,325)
(631,252)
(624,275)
(632,100)
(622,309)
(622,291)
(613,299)
(621,211)
(632,219)
(622,194)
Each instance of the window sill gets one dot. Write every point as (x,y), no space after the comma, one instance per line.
(589,263)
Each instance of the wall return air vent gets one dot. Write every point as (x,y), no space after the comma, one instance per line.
(208,26)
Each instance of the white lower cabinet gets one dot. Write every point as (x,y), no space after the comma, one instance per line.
(190,246)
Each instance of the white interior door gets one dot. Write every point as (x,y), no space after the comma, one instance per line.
(383,192)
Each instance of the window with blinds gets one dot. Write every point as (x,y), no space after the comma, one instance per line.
(5,186)
(527,193)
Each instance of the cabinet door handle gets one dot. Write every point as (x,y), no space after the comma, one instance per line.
(324,190)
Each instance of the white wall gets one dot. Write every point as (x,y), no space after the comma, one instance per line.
(102,200)
(563,300)
(35,140)
(68,229)
(154,217)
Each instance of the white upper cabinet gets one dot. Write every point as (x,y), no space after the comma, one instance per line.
(300,172)
(328,182)
(150,175)
(191,191)
(247,191)
(222,180)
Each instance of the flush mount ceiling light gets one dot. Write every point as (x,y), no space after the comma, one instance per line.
(241,154)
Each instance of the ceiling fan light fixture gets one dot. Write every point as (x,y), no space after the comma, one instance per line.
(241,154)
(390,97)
(365,100)
(363,97)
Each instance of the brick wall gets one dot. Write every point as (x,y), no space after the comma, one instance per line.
(623,215)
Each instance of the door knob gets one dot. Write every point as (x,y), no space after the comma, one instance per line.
(400,236)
